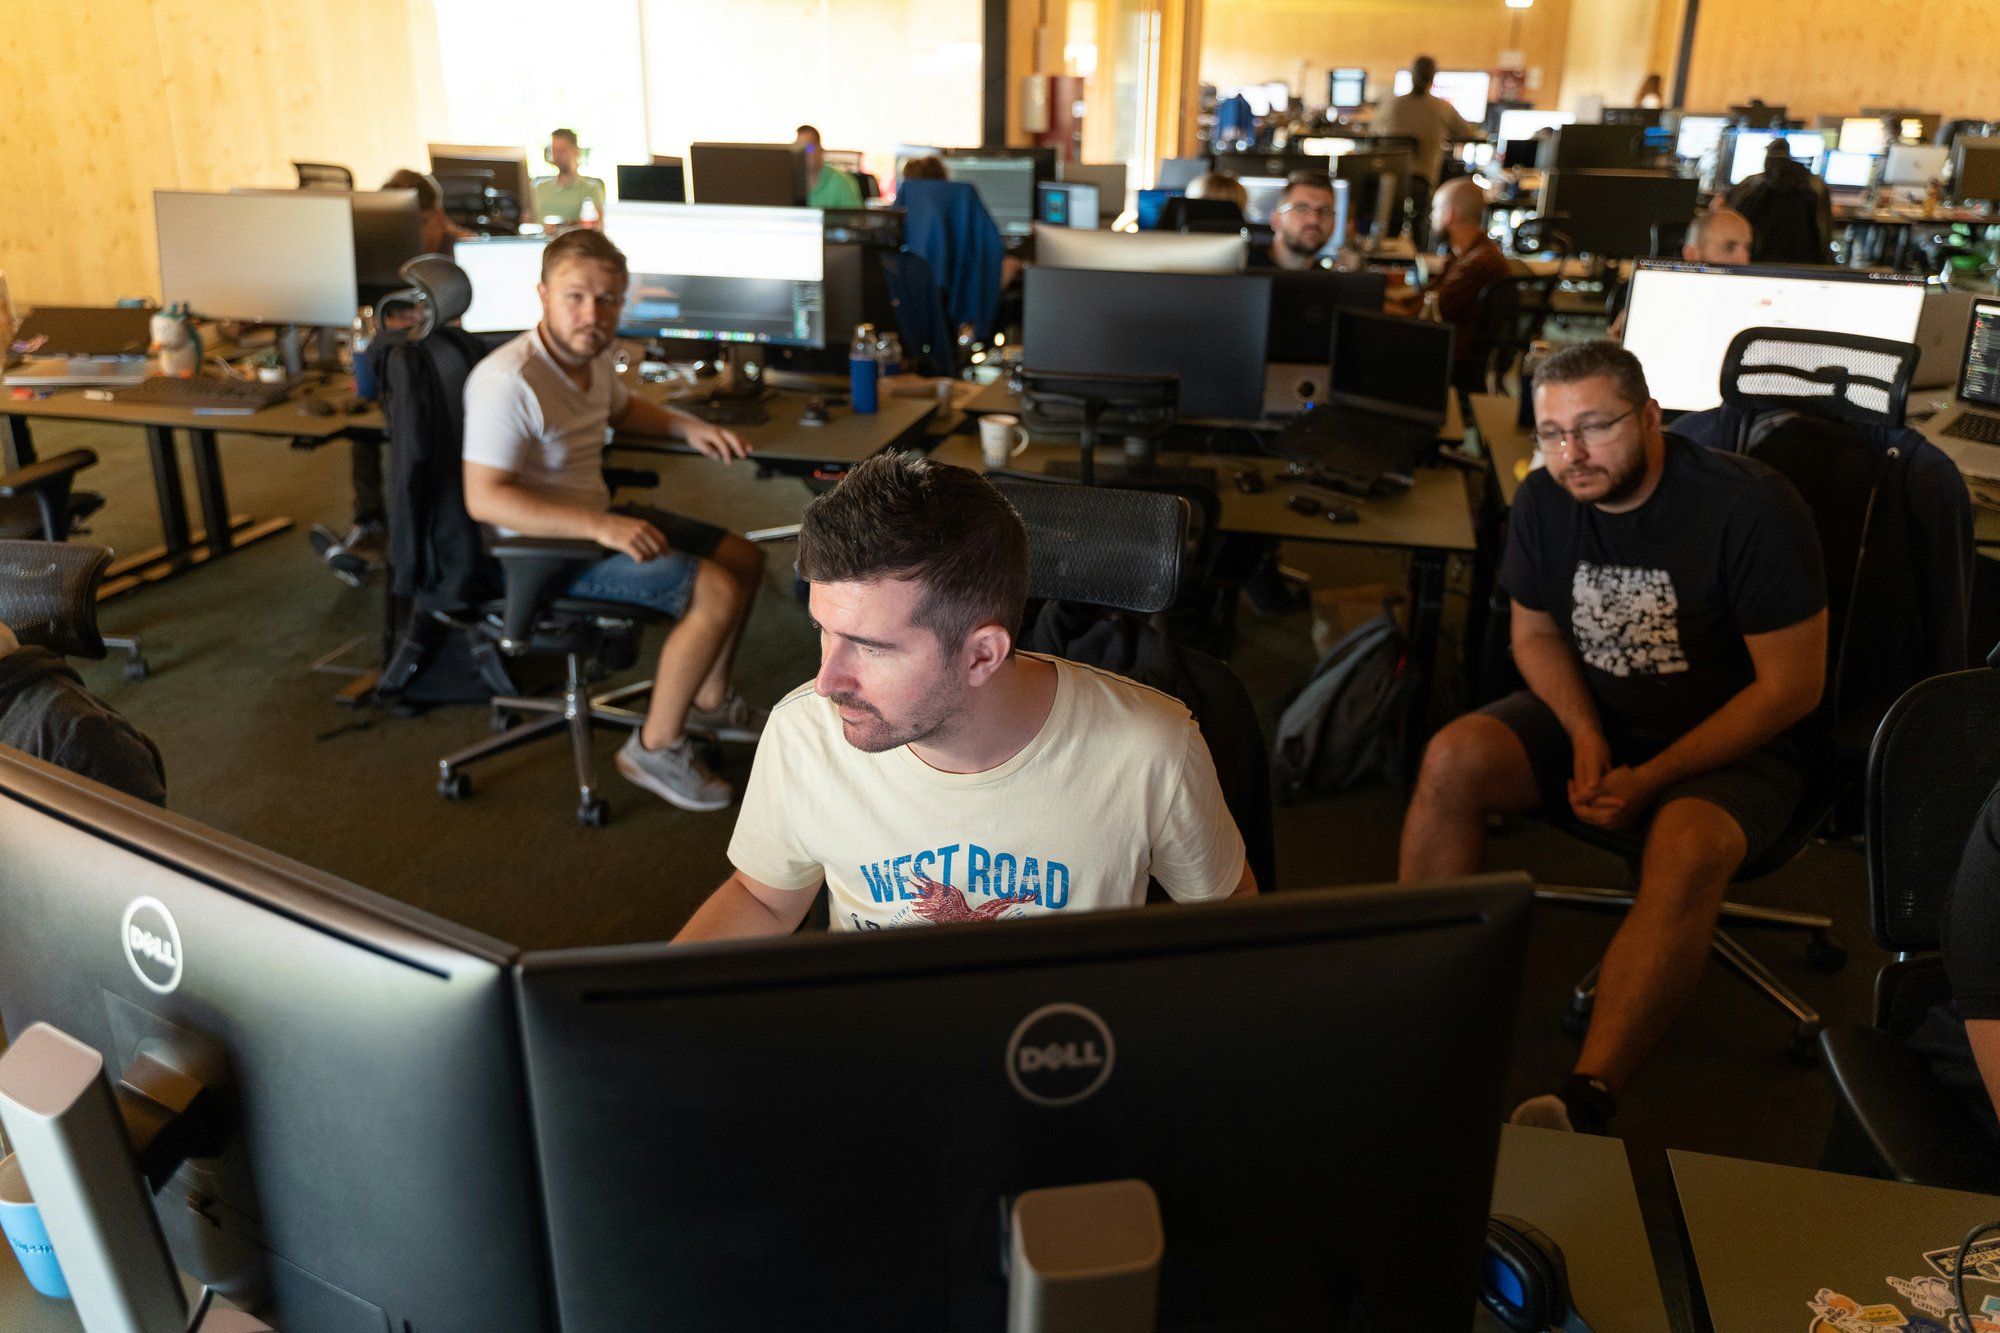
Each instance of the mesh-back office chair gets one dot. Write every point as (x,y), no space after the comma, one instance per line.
(323,176)
(423,387)
(39,500)
(1934,761)
(48,595)
(1799,395)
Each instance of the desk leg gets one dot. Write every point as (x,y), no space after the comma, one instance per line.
(1426,617)
(167,489)
(24,441)
(208,485)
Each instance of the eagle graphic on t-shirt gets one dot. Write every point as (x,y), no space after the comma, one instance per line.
(942,904)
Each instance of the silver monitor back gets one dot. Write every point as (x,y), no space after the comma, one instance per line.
(260,258)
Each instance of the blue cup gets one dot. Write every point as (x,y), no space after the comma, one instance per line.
(22,1222)
(364,376)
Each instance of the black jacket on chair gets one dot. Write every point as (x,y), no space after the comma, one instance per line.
(435,558)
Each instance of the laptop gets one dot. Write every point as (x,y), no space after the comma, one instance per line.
(67,372)
(1388,387)
(85,331)
(1300,343)
(1969,429)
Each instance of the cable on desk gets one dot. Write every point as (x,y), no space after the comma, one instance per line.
(1958,1268)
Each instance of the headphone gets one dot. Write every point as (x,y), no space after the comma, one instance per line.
(1524,1281)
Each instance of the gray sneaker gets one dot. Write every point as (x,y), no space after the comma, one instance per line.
(674,774)
(735,720)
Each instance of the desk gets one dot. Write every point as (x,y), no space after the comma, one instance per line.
(1577,1190)
(1509,444)
(1765,1239)
(847,438)
(183,547)
(24,1310)
(997,397)
(1900,220)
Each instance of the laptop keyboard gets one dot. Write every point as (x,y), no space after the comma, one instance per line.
(1975,426)
(206,393)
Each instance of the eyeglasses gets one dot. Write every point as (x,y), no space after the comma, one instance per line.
(1317,210)
(1589,434)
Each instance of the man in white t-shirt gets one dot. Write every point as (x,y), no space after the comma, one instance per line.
(1431,121)
(931,773)
(538,411)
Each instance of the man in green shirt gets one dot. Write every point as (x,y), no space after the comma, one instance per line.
(827,187)
(563,195)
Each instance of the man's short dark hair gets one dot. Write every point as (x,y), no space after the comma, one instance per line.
(426,187)
(1422,71)
(1312,180)
(1584,361)
(564,134)
(945,528)
(582,243)
(806,129)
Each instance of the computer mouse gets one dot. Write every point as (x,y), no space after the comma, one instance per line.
(814,415)
(317,407)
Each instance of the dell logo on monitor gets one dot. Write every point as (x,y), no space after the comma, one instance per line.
(152,944)
(1059,1055)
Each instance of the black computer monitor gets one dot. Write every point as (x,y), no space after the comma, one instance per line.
(758,1136)
(1177,173)
(1207,328)
(1975,167)
(1346,87)
(1376,183)
(771,175)
(1006,185)
(371,1165)
(1279,165)
(1594,148)
(1044,158)
(1390,359)
(388,233)
(883,227)
(1159,251)
(1520,154)
(723,274)
(1643,117)
(486,187)
(652,183)
(853,291)
(1759,116)
(1302,311)
(1611,213)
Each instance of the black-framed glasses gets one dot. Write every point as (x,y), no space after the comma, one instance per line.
(1317,210)
(1589,434)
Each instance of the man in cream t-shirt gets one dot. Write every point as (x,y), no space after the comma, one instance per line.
(930,773)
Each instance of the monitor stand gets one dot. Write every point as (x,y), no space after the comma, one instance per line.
(739,375)
(291,352)
(1084,1259)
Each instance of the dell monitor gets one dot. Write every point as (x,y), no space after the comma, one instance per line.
(741,275)
(388,233)
(361,1155)
(1465,89)
(284,258)
(758,1135)
(1065,204)
(504,272)
(761,174)
(1146,252)
(1807,147)
(1006,185)
(1913,166)
(1864,134)
(1681,316)
(1698,136)
(1975,168)
(1611,213)
(1109,178)
(652,184)
(486,187)
(1209,329)
(1346,87)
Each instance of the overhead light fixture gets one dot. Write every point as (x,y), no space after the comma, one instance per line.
(1520,4)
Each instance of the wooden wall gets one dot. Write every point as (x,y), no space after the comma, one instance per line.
(1251,41)
(117,98)
(1834,56)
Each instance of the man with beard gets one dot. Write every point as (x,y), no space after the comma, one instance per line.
(1669,617)
(1301,223)
(930,772)
(536,417)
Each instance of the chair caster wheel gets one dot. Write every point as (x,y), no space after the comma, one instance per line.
(138,669)
(1823,955)
(594,813)
(1803,1049)
(455,787)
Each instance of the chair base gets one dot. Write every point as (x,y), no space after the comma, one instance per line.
(575,712)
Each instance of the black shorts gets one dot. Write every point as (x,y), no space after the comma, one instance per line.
(688,535)
(1761,791)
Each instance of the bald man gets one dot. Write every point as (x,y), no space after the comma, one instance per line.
(1458,217)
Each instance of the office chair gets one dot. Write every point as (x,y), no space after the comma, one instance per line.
(1933,762)
(1668,235)
(48,595)
(503,595)
(38,500)
(1218,216)
(323,176)
(1797,396)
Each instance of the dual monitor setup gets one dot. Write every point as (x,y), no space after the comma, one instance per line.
(355,1115)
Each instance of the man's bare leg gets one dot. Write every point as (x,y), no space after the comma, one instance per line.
(743,562)
(1473,767)
(690,653)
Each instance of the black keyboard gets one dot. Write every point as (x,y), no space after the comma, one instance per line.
(724,413)
(1120,472)
(206,393)
(1976,426)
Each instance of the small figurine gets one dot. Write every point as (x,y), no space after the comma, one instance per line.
(176,345)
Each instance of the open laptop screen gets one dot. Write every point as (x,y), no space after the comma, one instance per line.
(1981,381)
(1391,360)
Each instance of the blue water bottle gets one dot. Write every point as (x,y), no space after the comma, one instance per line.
(862,369)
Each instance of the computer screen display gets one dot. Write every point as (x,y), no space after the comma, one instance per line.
(1520,123)
(1466,89)
(1864,134)
(1151,204)
(652,184)
(767,175)
(741,275)
(1346,87)
(1391,359)
(1682,316)
(1981,381)
(1975,167)
(1006,185)
(1698,136)
(1263,194)
(1848,171)
(504,272)
(282,258)
(1208,329)
(1913,166)
(1065,204)
(1327,145)
(726,1130)
(1747,158)
(366,1155)
(1264,98)
(1143,252)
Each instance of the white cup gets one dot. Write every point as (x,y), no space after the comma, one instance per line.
(1000,438)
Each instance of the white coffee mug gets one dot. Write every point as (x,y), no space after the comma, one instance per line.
(1000,438)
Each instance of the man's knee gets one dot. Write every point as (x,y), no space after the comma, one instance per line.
(744,559)
(1477,761)
(716,592)
(1696,845)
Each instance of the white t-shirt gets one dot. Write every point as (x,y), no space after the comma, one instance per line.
(1116,786)
(1428,119)
(524,415)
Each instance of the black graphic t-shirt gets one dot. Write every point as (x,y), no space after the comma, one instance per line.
(1657,601)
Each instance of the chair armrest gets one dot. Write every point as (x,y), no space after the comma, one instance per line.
(1915,1128)
(631,478)
(536,570)
(24,480)
(509,549)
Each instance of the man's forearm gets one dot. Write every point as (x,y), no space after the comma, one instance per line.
(732,912)
(1755,715)
(532,515)
(642,416)
(1550,667)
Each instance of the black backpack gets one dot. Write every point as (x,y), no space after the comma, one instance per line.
(1345,727)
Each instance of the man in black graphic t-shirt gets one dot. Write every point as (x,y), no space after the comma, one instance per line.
(1669,616)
